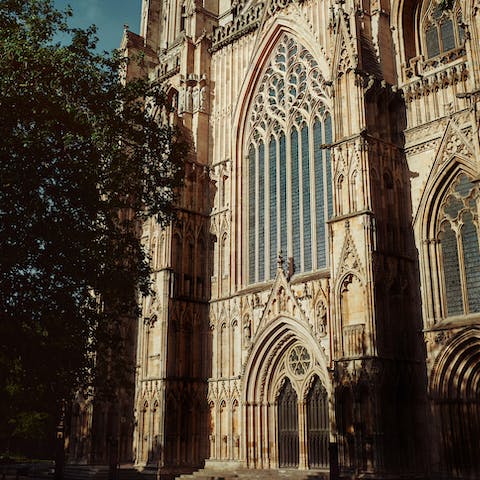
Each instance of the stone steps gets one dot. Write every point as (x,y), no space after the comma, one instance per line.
(250,474)
(85,472)
(92,472)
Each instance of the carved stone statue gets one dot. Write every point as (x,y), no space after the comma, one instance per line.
(181,100)
(203,98)
(247,330)
(321,318)
(189,100)
(195,96)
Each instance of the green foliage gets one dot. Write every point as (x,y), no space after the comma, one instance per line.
(82,161)
(30,424)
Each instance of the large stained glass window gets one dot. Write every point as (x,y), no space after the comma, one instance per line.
(443,29)
(460,251)
(289,172)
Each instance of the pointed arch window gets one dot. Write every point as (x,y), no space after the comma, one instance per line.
(443,29)
(458,233)
(289,131)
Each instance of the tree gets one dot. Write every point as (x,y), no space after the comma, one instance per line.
(82,161)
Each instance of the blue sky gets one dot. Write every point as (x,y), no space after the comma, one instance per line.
(108,15)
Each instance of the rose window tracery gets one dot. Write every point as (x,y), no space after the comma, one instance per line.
(299,360)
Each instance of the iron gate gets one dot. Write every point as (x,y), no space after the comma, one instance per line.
(317,425)
(288,443)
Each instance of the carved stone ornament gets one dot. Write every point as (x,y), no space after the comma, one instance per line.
(281,300)
(454,142)
(299,360)
(345,57)
(321,319)
(247,329)
(349,259)
(249,17)
(454,145)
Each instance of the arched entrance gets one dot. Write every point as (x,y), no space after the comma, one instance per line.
(286,400)
(312,414)
(455,394)
(288,439)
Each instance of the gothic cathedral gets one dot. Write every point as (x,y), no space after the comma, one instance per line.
(317,304)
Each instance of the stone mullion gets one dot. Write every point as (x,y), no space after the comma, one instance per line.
(302,432)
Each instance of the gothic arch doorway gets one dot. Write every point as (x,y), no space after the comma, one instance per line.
(288,435)
(455,395)
(286,380)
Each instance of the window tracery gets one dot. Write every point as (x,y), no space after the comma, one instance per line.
(443,29)
(458,228)
(289,172)
(299,360)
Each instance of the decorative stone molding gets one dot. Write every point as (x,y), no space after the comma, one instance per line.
(422,147)
(281,301)
(247,21)
(349,259)
(345,55)
(432,82)
(454,142)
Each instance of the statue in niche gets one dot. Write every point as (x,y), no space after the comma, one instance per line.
(247,329)
(195,95)
(282,296)
(321,318)
(181,100)
(188,100)
(203,98)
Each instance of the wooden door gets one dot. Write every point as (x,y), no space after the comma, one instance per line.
(288,441)
(317,425)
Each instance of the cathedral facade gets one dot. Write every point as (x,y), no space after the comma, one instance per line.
(317,304)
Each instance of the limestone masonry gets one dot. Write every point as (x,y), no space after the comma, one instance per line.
(317,305)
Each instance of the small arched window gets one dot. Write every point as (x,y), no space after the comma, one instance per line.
(443,29)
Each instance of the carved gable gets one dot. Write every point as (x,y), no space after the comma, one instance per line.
(454,142)
(280,301)
(349,259)
(345,57)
